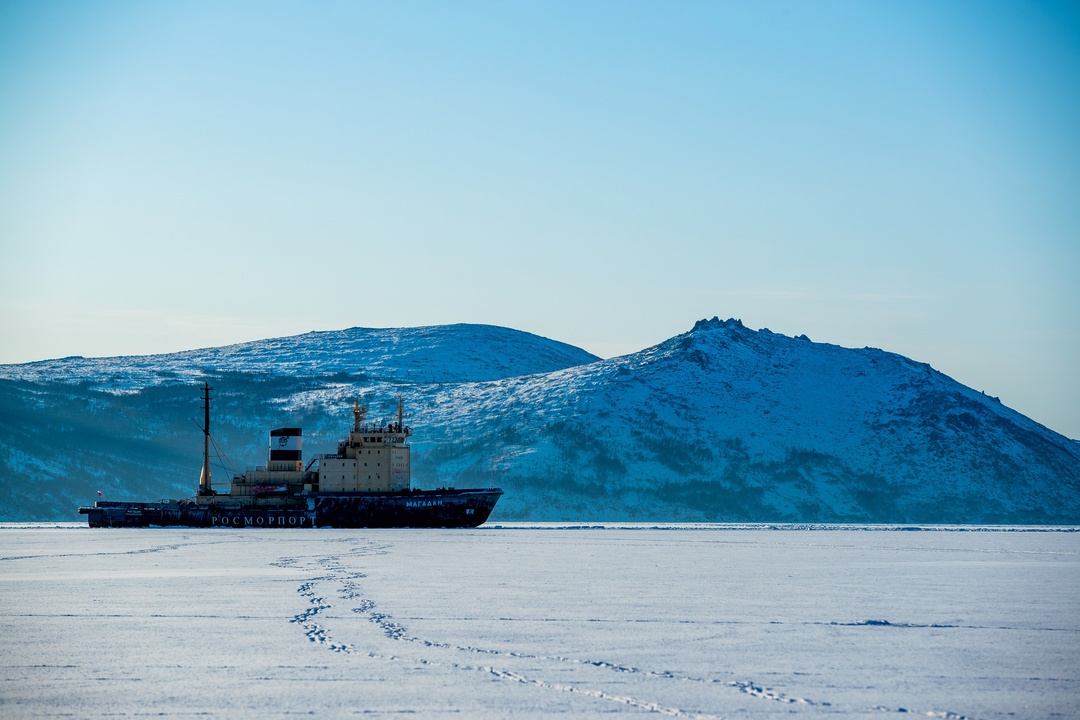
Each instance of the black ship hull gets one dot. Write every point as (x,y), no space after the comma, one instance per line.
(449,508)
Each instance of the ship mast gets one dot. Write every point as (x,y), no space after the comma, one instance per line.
(204,478)
(359,413)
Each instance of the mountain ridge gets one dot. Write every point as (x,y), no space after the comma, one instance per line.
(342,351)
(733,421)
(720,423)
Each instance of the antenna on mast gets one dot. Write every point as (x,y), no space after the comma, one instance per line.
(359,413)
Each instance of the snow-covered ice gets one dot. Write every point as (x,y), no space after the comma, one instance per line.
(534,621)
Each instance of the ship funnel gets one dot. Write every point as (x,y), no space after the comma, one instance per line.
(285,445)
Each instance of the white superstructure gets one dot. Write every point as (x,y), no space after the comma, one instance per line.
(374,458)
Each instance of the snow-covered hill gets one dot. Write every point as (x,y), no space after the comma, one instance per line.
(719,423)
(423,355)
(725,423)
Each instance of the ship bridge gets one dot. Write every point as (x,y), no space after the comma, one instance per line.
(373,458)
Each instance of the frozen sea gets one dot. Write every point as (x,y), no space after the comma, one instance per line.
(530,621)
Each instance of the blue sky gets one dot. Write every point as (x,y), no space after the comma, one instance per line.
(903,175)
